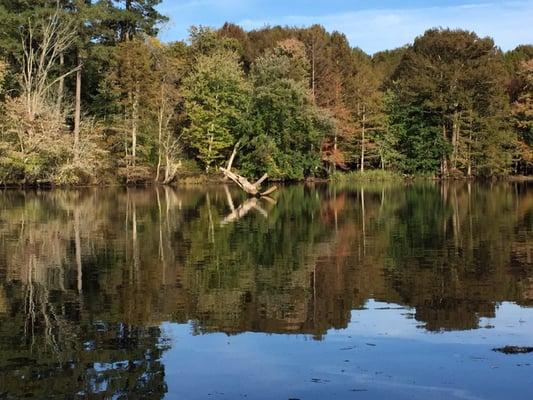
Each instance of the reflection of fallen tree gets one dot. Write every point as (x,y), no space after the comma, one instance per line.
(248,205)
(253,189)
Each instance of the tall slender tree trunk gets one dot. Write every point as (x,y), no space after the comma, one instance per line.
(167,169)
(333,165)
(313,71)
(210,148)
(160,135)
(168,161)
(77,110)
(444,162)
(134,122)
(469,172)
(61,86)
(455,139)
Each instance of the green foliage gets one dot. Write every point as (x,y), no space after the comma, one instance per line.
(375,175)
(522,112)
(301,102)
(286,127)
(216,97)
(451,105)
(206,41)
(412,143)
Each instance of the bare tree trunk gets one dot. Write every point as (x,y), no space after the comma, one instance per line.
(210,148)
(333,164)
(134,122)
(444,162)
(77,111)
(313,71)
(233,154)
(455,140)
(167,168)
(61,86)
(160,135)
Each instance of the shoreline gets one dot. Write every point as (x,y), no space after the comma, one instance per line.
(198,180)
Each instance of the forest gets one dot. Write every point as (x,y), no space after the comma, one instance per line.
(90,95)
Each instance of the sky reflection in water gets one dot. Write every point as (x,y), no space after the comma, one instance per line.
(375,291)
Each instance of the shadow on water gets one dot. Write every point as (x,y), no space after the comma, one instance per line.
(87,277)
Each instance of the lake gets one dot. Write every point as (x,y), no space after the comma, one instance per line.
(373,291)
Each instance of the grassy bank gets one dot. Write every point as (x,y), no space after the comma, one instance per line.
(375,175)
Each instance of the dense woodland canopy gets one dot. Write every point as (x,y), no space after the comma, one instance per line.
(88,94)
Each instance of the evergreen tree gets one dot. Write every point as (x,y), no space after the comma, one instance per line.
(452,82)
(287,128)
(522,111)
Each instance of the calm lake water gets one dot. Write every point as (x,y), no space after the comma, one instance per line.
(392,291)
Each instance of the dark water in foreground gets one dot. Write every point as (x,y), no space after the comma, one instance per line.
(374,292)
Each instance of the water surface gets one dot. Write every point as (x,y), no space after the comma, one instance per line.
(357,292)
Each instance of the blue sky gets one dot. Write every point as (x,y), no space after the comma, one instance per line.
(370,25)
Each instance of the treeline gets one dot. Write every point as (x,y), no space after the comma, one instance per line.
(88,94)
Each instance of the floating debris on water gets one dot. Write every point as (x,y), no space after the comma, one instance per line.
(514,350)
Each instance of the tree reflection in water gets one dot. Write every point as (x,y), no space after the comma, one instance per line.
(87,277)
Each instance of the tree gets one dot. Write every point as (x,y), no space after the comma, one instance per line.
(3,73)
(453,82)
(522,112)
(169,62)
(206,41)
(216,97)
(135,87)
(286,127)
(367,108)
(139,16)
(36,144)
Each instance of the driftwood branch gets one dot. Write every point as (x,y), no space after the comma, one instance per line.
(233,154)
(253,189)
(261,180)
(269,191)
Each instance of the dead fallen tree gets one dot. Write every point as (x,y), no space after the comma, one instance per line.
(253,189)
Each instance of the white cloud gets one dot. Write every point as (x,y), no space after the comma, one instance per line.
(509,23)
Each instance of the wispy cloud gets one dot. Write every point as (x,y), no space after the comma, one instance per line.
(508,22)
(202,4)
